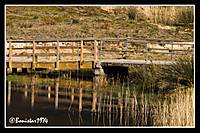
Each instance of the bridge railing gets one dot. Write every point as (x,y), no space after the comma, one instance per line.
(94,49)
(157,49)
(34,51)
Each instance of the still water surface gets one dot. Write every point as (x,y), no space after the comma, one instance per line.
(96,102)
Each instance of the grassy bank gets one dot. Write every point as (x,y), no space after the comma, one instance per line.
(167,77)
(44,22)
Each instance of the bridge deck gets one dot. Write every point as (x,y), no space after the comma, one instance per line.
(134,62)
(105,61)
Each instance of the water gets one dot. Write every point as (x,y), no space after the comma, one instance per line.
(96,102)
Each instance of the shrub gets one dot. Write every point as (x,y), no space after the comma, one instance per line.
(132,13)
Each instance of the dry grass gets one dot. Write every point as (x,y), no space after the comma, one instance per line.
(71,22)
(168,15)
(137,108)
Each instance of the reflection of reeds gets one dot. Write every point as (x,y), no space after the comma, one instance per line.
(116,104)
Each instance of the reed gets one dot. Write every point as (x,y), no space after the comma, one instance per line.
(157,77)
(182,71)
(139,108)
(168,15)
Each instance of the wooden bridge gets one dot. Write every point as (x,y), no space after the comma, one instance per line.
(92,53)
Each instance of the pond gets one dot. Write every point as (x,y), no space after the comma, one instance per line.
(99,101)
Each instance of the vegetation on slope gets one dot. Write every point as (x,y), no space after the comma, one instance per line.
(45,22)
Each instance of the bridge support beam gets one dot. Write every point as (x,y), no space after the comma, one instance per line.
(98,70)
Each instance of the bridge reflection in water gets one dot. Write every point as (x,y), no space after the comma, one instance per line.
(106,102)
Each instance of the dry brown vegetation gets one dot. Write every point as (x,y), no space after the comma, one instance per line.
(45,22)
(168,15)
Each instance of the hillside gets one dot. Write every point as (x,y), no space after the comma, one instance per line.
(54,22)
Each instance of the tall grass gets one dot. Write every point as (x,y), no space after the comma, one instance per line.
(181,72)
(168,15)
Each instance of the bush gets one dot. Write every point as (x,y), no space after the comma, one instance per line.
(25,24)
(132,13)
(186,15)
(49,20)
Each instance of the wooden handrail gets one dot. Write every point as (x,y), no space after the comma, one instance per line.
(100,39)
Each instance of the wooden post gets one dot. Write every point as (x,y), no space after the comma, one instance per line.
(73,45)
(49,92)
(72,95)
(9,92)
(94,101)
(101,53)
(146,52)
(26,91)
(32,91)
(80,96)
(34,59)
(58,55)
(172,50)
(10,58)
(56,94)
(121,46)
(126,49)
(81,54)
(95,51)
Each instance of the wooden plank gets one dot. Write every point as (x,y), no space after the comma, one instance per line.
(48,65)
(75,47)
(21,64)
(123,61)
(81,52)
(34,57)
(69,65)
(45,54)
(119,51)
(161,49)
(101,39)
(174,53)
(10,57)
(87,65)
(20,48)
(37,47)
(185,50)
(70,54)
(95,51)
(58,55)
(73,53)
(46,47)
(22,55)
(182,44)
